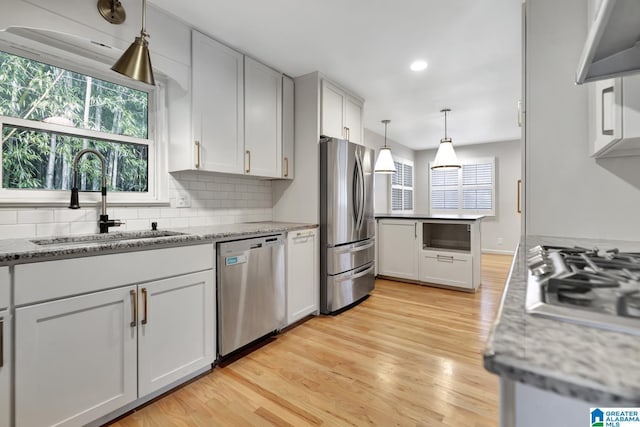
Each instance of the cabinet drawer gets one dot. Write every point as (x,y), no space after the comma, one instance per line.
(4,287)
(57,279)
(447,268)
(348,257)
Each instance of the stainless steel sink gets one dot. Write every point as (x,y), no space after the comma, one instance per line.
(96,239)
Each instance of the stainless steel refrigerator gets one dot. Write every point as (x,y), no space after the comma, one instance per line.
(347,224)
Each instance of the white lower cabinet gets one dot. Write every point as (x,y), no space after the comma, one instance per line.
(5,368)
(144,323)
(398,247)
(75,358)
(302,274)
(176,333)
(447,268)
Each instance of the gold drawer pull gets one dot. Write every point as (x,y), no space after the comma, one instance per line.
(134,307)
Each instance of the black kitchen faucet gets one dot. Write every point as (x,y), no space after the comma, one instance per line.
(104,221)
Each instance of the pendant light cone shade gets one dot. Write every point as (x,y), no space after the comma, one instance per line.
(135,62)
(384,163)
(445,156)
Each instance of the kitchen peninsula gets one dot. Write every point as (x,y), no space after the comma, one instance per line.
(440,250)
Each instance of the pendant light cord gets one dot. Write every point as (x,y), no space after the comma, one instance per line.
(445,124)
(143,32)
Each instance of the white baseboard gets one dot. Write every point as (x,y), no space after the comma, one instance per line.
(497,252)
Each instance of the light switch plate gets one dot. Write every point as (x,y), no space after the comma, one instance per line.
(183,199)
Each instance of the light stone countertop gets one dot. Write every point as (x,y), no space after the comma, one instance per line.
(427,217)
(17,251)
(583,362)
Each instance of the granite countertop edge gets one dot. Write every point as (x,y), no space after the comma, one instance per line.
(541,352)
(428,217)
(17,251)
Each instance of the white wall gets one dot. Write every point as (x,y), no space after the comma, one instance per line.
(374,141)
(505,224)
(569,193)
(215,199)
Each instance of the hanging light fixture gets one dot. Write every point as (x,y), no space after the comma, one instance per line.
(445,156)
(135,61)
(384,163)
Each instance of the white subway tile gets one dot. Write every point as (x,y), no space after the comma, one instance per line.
(168,212)
(150,213)
(83,227)
(17,231)
(179,222)
(124,213)
(138,224)
(52,229)
(197,185)
(35,216)
(8,217)
(70,215)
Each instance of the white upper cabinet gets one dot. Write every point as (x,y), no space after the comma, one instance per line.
(614,125)
(353,119)
(288,138)
(217,107)
(341,113)
(262,119)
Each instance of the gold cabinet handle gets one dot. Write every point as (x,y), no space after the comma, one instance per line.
(144,302)
(134,308)
(286,167)
(198,154)
(249,161)
(1,342)
(346,133)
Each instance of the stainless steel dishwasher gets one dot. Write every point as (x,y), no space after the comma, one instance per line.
(251,299)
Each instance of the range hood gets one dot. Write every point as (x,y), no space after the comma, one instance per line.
(613,43)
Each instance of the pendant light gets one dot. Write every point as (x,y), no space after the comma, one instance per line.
(445,156)
(135,61)
(384,163)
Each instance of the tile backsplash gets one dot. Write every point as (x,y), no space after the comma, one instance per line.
(213,199)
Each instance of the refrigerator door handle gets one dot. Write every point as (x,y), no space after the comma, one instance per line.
(363,193)
(360,191)
(355,198)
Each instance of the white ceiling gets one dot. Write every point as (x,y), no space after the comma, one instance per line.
(472,46)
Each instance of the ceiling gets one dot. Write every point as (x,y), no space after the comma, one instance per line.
(472,47)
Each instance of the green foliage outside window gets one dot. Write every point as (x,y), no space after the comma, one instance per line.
(39,159)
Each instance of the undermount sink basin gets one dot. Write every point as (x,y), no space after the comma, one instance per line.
(104,238)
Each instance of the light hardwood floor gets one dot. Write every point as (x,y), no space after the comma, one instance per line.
(408,355)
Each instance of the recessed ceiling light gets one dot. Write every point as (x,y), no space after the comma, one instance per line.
(419,65)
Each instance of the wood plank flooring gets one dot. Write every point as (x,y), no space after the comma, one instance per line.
(408,355)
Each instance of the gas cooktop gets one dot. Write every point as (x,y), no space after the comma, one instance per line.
(588,286)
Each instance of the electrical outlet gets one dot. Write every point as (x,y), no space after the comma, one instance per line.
(500,240)
(183,200)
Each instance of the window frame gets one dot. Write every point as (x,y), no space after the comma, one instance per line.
(460,187)
(392,186)
(156,136)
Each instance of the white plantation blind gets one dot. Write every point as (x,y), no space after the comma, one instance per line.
(468,190)
(402,186)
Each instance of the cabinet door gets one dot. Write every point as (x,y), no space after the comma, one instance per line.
(75,358)
(302,274)
(5,368)
(218,110)
(353,120)
(176,329)
(262,119)
(605,98)
(333,100)
(287,127)
(398,249)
